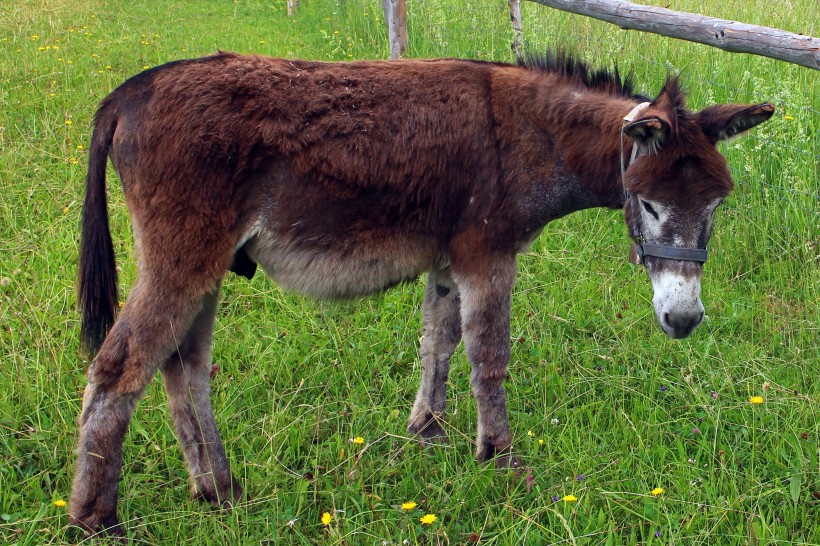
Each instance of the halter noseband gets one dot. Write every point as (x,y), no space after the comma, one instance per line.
(648,249)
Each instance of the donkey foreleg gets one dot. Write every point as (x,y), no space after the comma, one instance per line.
(441,334)
(486,292)
(187,382)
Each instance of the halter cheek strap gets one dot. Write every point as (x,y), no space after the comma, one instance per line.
(648,249)
(629,118)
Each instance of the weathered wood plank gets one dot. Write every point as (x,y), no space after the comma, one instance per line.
(721,33)
(395,15)
(518,33)
(293,5)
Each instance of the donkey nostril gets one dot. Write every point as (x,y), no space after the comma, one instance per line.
(680,325)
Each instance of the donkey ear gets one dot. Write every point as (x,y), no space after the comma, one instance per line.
(650,131)
(723,121)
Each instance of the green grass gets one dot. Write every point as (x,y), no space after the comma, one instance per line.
(299,378)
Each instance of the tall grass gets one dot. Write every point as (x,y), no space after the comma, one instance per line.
(604,406)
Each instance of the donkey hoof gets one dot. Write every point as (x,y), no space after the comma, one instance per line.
(509,461)
(429,432)
(94,525)
(502,457)
(221,495)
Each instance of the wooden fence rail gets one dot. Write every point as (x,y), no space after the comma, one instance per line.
(720,33)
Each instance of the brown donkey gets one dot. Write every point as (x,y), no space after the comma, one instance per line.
(343,179)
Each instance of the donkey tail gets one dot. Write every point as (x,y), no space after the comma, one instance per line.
(97,283)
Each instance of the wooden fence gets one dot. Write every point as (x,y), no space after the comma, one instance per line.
(720,33)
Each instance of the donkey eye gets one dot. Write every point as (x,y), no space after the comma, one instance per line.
(649,209)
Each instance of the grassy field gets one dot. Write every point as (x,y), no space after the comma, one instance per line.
(604,407)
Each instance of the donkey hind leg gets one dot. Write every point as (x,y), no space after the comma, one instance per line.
(485,317)
(186,375)
(155,318)
(442,332)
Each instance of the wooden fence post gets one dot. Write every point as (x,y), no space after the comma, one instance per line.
(518,33)
(395,15)
(293,5)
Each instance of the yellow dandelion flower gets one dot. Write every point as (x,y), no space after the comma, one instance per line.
(408,505)
(34,37)
(120,304)
(80,147)
(65,209)
(146,67)
(326,519)
(68,122)
(530,433)
(540,441)
(570,498)
(657,491)
(358,440)
(428,519)
(756,400)
(60,503)
(788,118)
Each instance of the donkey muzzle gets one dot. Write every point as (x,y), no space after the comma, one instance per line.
(677,303)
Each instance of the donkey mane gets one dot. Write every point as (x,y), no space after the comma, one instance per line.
(567,65)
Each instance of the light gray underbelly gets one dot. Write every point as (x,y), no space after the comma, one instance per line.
(337,274)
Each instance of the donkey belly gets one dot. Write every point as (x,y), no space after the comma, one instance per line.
(349,268)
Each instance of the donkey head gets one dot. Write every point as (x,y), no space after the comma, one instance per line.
(674,183)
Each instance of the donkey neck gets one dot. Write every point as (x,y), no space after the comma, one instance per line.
(586,127)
